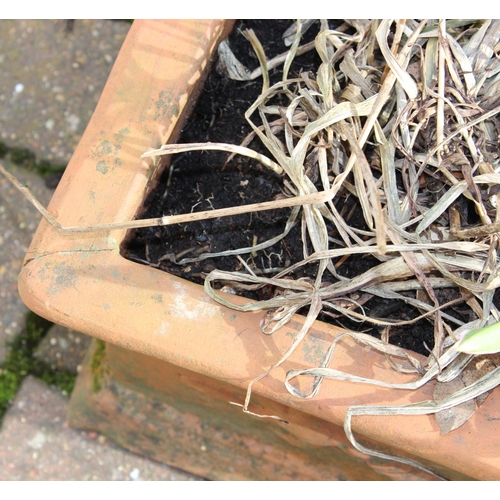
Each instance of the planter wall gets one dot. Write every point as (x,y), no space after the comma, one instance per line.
(172,359)
(182,417)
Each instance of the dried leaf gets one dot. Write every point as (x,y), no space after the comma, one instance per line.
(453,417)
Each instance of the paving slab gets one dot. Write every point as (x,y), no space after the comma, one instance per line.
(36,443)
(52,73)
(63,349)
(18,222)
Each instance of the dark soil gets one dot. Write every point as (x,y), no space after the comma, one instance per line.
(202,181)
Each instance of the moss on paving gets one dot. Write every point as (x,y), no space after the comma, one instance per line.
(23,157)
(21,363)
(97,365)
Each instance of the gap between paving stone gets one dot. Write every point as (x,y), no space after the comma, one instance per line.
(36,443)
(18,222)
(52,73)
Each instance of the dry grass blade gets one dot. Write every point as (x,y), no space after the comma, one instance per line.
(207,146)
(402,76)
(389,176)
(310,319)
(261,56)
(29,196)
(483,385)
(323,371)
(228,63)
(293,49)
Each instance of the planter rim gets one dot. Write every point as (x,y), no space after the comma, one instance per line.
(83,282)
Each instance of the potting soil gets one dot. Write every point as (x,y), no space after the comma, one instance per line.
(198,181)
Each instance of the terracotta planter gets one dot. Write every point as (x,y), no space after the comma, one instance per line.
(172,359)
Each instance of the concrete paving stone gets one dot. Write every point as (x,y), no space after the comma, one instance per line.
(37,444)
(62,348)
(51,77)
(18,222)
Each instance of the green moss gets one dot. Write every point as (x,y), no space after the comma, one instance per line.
(23,157)
(20,363)
(97,365)
(45,168)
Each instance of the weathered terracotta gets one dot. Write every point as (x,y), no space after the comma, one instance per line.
(173,359)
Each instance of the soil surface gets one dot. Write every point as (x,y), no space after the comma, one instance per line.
(198,181)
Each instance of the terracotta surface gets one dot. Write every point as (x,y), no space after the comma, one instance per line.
(183,418)
(83,283)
